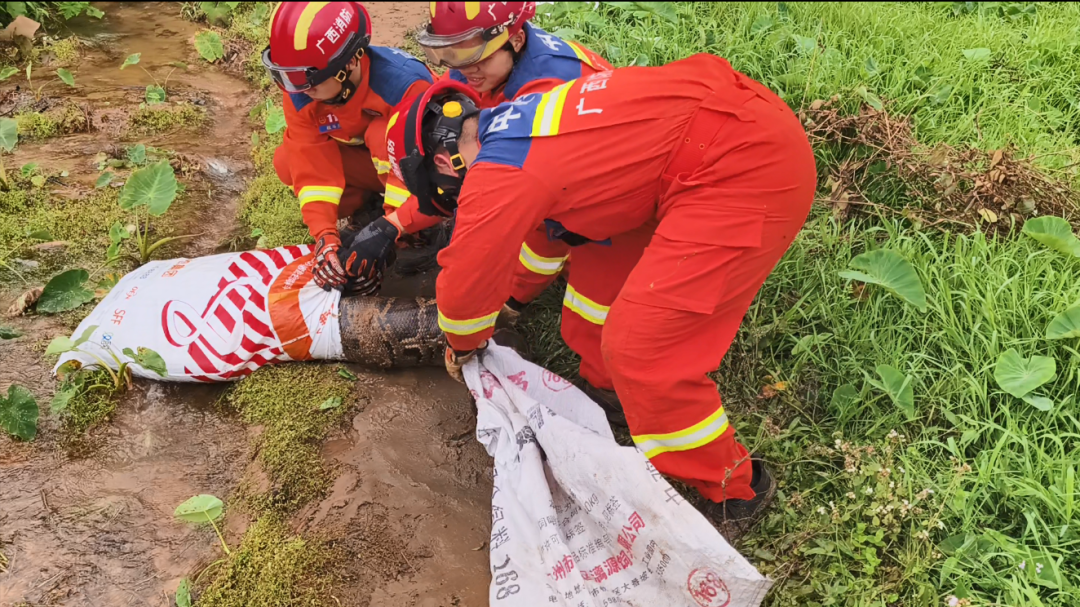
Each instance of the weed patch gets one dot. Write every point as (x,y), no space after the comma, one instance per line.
(162,118)
(64,119)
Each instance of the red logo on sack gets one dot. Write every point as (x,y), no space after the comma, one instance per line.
(489,382)
(707,588)
(519,380)
(554,382)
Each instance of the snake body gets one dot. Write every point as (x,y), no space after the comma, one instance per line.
(387,332)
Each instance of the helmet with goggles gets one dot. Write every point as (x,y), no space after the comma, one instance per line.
(420,127)
(312,42)
(463,33)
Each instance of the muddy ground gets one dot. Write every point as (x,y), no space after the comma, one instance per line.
(410,504)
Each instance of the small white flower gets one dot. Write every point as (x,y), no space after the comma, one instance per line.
(1038,568)
(1023,564)
(851,495)
(940,524)
(953,601)
(892,485)
(821,509)
(869,491)
(901,469)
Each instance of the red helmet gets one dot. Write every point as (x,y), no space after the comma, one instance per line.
(311,42)
(463,33)
(420,126)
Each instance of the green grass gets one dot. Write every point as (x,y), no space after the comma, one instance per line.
(162,118)
(976,497)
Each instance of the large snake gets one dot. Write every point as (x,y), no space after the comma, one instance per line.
(389,332)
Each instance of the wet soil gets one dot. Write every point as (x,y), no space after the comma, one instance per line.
(410,505)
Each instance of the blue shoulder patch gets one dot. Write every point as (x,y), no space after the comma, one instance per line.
(505,131)
(458,76)
(393,71)
(545,56)
(299,100)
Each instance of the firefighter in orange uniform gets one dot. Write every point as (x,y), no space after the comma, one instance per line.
(492,47)
(699,173)
(336,88)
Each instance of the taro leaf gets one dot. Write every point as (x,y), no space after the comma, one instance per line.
(118,233)
(131,60)
(275,120)
(1065,325)
(19,413)
(154,94)
(38,180)
(27,169)
(67,368)
(137,153)
(940,93)
(9,134)
(641,61)
(153,186)
(62,399)
(209,45)
(66,76)
(899,388)
(664,10)
(8,72)
(1019,376)
(148,359)
(869,97)
(1055,233)
(200,509)
(183,593)
(762,24)
(843,397)
(65,291)
(871,66)
(342,371)
(95,12)
(331,403)
(86,335)
(9,332)
(890,270)
(217,13)
(60,344)
(1039,402)
(977,54)
(804,44)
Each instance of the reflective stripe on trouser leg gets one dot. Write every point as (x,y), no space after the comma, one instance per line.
(585,307)
(547,266)
(693,437)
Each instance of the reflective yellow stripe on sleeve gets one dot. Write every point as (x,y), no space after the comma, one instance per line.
(466,327)
(585,307)
(319,193)
(540,265)
(395,196)
(695,436)
(381,167)
(549,111)
(580,53)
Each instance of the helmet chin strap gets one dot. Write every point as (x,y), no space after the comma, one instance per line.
(348,87)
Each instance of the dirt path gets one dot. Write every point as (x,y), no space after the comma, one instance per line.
(410,506)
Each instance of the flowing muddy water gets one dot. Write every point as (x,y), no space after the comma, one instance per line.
(411,503)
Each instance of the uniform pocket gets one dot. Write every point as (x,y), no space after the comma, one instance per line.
(706,214)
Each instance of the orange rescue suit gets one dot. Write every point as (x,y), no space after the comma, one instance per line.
(691,180)
(324,156)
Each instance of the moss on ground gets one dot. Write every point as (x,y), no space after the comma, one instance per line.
(273,568)
(285,400)
(89,407)
(65,51)
(270,205)
(63,119)
(162,117)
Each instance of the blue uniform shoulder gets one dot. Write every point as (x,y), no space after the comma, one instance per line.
(458,76)
(299,100)
(545,56)
(393,71)
(505,131)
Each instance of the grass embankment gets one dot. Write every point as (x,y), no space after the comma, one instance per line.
(975,498)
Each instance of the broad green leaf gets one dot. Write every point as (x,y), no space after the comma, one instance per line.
(275,120)
(642,60)
(804,45)
(1065,325)
(843,397)
(183,593)
(137,153)
(890,270)
(331,403)
(664,10)
(95,12)
(209,45)
(62,399)
(977,54)
(1039,402)
(1019,376)
(103,180)
(153,186)
(8,72)
(118,233)
(762,24)
(9,332)
(899,388)
(66,76)
(150,360)
(1055,233)
(940,93)
(132,59)
(65,291)
(87,334)
(200,509)
(60,344)
(869,97)
(217,13)
(19,413)
(9,134)
(154,94)
(67,368)
(871,66)
(342,371)
(28,168)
